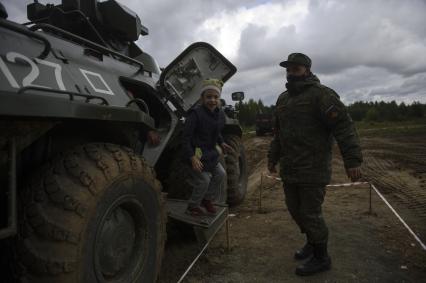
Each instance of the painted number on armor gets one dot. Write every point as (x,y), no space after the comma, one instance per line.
(28,79)
(95,80)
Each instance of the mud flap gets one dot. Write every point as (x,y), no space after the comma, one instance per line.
(205,227)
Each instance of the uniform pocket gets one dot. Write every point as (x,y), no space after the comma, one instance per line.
(302,112)
(297,158)
(302,159)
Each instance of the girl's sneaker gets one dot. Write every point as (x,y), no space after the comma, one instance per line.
(195,211)
(208,205)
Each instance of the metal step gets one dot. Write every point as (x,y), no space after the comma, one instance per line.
(205,227)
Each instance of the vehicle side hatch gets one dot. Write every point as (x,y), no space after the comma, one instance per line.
(181,81)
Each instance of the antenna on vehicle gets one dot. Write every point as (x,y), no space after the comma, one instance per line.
(3,12)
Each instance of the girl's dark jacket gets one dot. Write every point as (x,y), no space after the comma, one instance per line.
(203,130)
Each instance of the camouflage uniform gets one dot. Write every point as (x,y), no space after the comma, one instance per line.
(308,116)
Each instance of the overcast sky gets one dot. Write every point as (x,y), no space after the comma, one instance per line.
(365,50)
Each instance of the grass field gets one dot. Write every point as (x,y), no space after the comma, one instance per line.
(388,124)
(391,129)
(385,127)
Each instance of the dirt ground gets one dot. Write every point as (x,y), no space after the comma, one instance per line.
(365,247)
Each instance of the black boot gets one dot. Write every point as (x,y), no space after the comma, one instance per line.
(321,261)
(305,252)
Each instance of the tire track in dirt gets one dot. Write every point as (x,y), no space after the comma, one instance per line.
(398,168)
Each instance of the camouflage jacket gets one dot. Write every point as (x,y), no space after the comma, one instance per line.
(308,116)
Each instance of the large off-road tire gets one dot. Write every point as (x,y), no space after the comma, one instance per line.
(236,170)
(178,186)
(95,214)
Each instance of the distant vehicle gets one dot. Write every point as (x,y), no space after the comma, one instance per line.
(264,123)
(229,109)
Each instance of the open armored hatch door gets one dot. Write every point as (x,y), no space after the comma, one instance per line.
(182,79)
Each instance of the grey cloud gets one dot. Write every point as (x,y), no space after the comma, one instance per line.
(348,34)
(261,83)
(416,84)
(17,10)
(363,49)
(172,24)
(368,33)
(256,50)
(368,85)
(355,84)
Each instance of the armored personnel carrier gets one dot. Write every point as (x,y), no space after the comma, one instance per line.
(264,123)
(83,195)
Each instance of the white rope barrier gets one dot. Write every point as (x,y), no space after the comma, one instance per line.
(422,245)
(226,222)
(400,218)
(333,185)
(348,184)
(194,261)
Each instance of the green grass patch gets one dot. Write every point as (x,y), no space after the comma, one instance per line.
(407,130)
(388,124)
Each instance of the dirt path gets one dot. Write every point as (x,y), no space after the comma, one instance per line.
(364,247)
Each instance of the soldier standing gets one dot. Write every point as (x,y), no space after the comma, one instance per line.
(308,116)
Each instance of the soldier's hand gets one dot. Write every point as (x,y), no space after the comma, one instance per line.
(354,173)
(272,168)
(197,165)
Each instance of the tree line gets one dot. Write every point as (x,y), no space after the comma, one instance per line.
(386,111)
(247,111)
(360,111)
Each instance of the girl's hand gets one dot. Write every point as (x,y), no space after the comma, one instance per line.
(197,165)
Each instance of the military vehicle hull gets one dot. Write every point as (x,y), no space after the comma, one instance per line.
(83,188)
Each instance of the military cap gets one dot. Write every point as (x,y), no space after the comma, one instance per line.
(297,59)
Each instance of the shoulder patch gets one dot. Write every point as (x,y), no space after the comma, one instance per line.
(332,112)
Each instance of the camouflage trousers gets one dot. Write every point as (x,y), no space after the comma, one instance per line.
(304,204)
